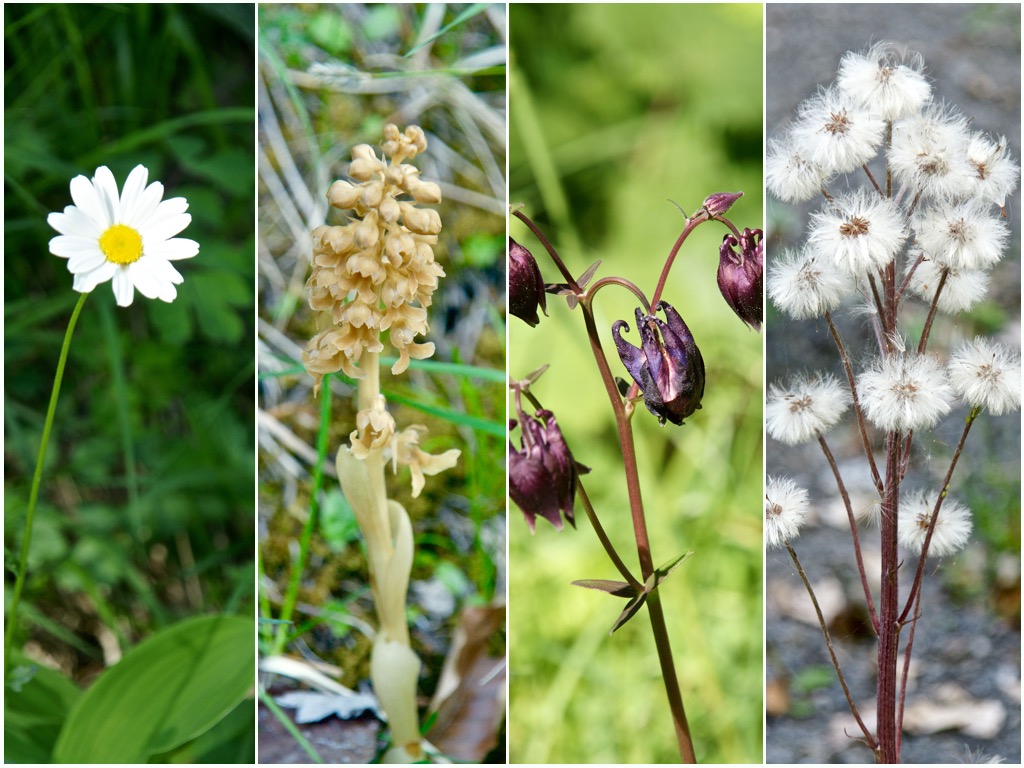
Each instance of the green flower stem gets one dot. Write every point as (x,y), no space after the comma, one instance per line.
(37,477)
(305,542)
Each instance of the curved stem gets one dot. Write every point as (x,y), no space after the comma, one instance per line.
(906,674)
(926,331)
(668,674)
(853,532)
(37,477)
(643,545)
(624,283)
(919,574)
(551,251)
(691,224)
(856,401)
(609,548)
(588,507)
(831,650)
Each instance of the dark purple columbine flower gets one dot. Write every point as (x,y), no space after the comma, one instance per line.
(525,285)
(542,476)
(741,276)
(669,370)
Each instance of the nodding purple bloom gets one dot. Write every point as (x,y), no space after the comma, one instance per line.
(542,476)
(741,276)
(669,370)
(525,285)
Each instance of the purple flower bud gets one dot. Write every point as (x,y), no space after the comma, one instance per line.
(669,370)
(525,285)
(720,202)
(542,476)
(741,276)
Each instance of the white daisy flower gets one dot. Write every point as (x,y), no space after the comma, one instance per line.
(986,374)
(962,290)
(785,506)
(904,392)
(952,529)
(803,286)
(790,174)
(964,235)
(128,238)
(805,409)
(995,170)
(836,135)
(929,153)
(858,233)
(885,80)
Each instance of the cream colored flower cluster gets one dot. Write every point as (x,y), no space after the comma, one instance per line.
(377,273)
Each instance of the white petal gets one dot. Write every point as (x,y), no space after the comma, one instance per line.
(67,246)
(166,227)
(146,280)
(87,261)
(174,249)
(134,187)
(87,200)
(172,207)
(124,290)
(74,221)
(86,281)
(106,192)
(148,203)
(163,268)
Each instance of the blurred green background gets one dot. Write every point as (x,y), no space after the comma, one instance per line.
(166,388)
(615,109)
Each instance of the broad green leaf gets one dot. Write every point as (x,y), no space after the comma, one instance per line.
(34,714)
(167,690)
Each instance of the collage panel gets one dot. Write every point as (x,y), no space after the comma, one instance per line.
(622,117)
(893,260)
(128,383)
(381,369)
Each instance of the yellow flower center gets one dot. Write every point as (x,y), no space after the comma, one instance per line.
(121,244)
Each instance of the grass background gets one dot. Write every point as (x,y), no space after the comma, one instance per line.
(168,388)
(616,108)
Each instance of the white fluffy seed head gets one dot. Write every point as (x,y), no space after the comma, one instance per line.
(785,507)
(962,289)
(835,133)
(804,408)
(885,79)
(987,375)
(929,153)
(858,233)
(803,285)
(995,171)
(952,529)
(905,391)
(789,172)
(964,235)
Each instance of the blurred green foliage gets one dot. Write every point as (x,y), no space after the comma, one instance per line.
(614,110)
(146,511)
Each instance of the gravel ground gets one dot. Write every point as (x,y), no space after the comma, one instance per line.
(972,54)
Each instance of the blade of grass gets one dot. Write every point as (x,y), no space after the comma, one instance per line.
(302,741)
(292,595)
(473,10)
